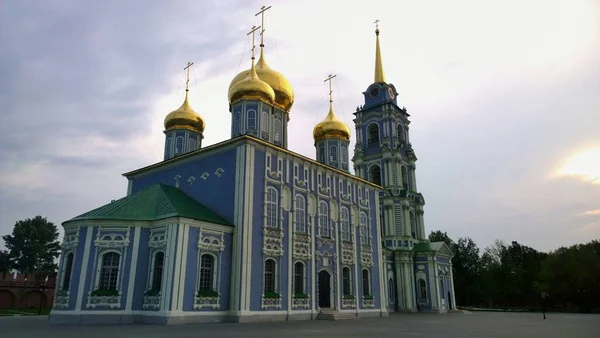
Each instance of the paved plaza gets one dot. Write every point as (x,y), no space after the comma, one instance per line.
(479,324)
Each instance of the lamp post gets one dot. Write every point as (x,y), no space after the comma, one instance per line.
(544,295)
(42,287)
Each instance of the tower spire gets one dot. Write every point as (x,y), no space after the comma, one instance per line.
(262,11)
(379,76)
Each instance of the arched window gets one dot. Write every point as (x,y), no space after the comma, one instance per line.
(157,270)
(346,282)
(344,154)
(179,145)
(300,213)
(413,225)
(272,207)
(207,269)
(366,283)
(270,275)
(364,229)
(422,289)
(405,183)
(391,291)
(265,125)
(298,277)
(251,122)
(278,131)
(66,281)
(109,271)
(442,288)
(324,219)
(375,174)
(237,123)
(333,155)
(322,154)
(168,147)
(345,224)
(401,136)
(373,133)
(192,144)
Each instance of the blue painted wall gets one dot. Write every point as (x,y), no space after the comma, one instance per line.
(214,192)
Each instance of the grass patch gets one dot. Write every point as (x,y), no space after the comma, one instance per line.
(23,312)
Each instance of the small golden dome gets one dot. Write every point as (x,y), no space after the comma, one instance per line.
(331,127)
(185,117)
(284,93)
(251,87)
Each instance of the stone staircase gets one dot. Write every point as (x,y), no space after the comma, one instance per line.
(332,314)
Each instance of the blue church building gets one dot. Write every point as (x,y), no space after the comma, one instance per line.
(247,230)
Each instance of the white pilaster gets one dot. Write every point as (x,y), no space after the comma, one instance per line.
(434,293)
(133,267)
(453,300)
(379,257)
(84,267)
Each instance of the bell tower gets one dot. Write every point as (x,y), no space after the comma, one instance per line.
(383,155)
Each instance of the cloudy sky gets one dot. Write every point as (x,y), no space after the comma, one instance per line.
(504,98)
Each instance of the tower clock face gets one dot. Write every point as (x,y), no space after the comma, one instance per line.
(374,91)
(391,93)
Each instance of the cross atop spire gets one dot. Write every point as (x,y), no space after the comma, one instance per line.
(379,76)
(262,11)
(187,79)
(254,29)
(330,78)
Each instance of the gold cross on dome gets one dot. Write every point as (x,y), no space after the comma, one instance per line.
(187,80)
(254,29)
(329,78)
(376,24)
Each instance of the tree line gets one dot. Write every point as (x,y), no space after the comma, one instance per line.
(517,276)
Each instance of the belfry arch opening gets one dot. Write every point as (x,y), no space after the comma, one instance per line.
(375,174)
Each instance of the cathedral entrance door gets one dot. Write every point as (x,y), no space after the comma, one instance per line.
(324,289)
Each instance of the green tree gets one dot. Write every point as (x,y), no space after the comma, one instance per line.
(438,236)
(5,265)
(33,245)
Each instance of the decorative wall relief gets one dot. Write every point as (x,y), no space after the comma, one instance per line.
(348,257)
(219,172)
(204,175)
(191,179)
(366,256)
(286,198)
(312,204)
(272,242)
(302,247)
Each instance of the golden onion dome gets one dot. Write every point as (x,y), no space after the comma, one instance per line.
(284,93)
(331,127)
(184,117)
(251,87)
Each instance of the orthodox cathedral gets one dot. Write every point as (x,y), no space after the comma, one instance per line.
(247,230)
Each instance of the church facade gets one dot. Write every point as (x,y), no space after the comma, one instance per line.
(247,230)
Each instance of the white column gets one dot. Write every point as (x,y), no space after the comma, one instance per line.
(435,296)
(408,289)
(399,280)
(290,250)
(406,214)
(453,300)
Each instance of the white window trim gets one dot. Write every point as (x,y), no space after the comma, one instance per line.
(151,274)
(275,275)
(303,277)
(215,272)
(64,269)
(99,268)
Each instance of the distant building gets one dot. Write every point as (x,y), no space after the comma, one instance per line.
(248,230)
(24,291)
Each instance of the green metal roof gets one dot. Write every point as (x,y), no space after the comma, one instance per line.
(428,247)
(156,202)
